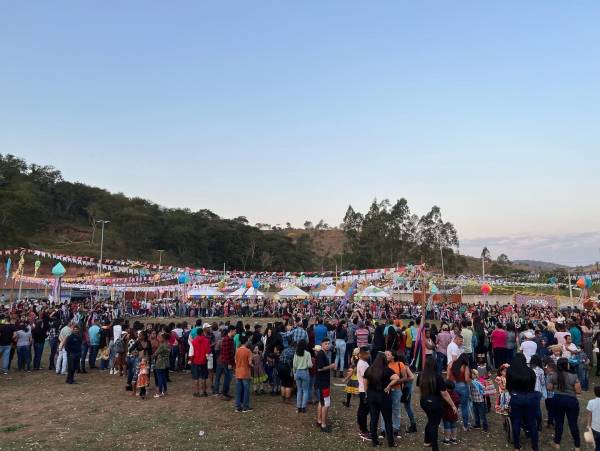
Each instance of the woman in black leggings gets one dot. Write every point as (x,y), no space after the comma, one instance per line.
(433,394)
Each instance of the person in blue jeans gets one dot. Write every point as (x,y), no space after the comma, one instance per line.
(243,365)
(24,341)
(566,387)
(524,400)
(301,364)
(461,376)
(406,398)
(38,335)
(94,336)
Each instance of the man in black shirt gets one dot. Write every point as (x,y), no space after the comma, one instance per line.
(323,383)
(6,335)
(73,348)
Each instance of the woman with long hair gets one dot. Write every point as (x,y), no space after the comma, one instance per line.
(379,380)
(433,393)
(524,400)
(301,363)
(566,387)
(460,374)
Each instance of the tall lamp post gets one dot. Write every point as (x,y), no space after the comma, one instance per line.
(103,222)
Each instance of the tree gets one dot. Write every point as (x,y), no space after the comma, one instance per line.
(503,260)
(485,255)
(308,225)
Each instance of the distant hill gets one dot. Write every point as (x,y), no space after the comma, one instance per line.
(539,265)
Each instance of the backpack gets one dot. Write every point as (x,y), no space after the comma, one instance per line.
(119,345)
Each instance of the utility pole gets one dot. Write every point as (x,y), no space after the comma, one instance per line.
(103,222)
(442,257)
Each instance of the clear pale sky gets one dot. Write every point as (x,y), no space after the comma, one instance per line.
(286,111)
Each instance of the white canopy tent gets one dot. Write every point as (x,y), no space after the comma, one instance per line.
(292,292)
(205,290)
(243,291)
(331,292)
(374,292)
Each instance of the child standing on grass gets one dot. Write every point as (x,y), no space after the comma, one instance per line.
(143,379)
(477,396)
(259,376)
(503,400)
(351,378)
(450,416)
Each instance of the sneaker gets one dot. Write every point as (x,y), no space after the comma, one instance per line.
(364,435)
(196,395)
(226,398)
(205,395)
(381,434)
(157,395)
(412,428)
(476,427)
(239,410)
(216,393)
(326,429)
(485,429)
(446,442)
(247,409)
(454,441)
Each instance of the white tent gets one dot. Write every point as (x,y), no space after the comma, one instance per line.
(205,291)
(292,292)
(331,292)
(243,291)
(373,292)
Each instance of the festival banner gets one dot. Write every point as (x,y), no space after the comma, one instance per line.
(544,301)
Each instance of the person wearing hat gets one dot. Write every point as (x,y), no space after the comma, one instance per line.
(528,346)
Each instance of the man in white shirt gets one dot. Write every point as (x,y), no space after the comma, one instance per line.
(363,406)
(528,347)
(455,349)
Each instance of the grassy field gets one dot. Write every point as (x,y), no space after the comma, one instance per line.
(40,411)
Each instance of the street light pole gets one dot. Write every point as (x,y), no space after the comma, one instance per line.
(160,252)
(103,222)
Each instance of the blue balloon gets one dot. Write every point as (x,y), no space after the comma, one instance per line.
(256,284)
(588,282)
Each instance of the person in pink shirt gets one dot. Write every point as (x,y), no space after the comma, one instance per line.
(498,339)
(443,339)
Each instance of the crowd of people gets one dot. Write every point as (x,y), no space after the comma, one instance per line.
(468,361)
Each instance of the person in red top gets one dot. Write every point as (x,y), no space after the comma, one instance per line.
(498,339)
(226,364)
(198,361)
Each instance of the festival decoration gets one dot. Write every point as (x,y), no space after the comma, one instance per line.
(248,283)
(58,270)
(8,264)
(486,289)
(36,267)
(433,289)
(256,284)
(581,283)
(552,280)
(588,282)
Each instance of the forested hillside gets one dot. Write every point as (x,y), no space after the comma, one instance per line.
(40,209)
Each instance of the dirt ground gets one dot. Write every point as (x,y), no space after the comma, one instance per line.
(39,411)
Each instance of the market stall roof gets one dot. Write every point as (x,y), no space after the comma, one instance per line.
(244,291)
(205,290)
(331,292)
(374,292)
(292,292)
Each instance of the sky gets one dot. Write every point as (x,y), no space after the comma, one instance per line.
(286,111)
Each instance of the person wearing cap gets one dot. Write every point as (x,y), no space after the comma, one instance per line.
(528,346)
(198,361)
